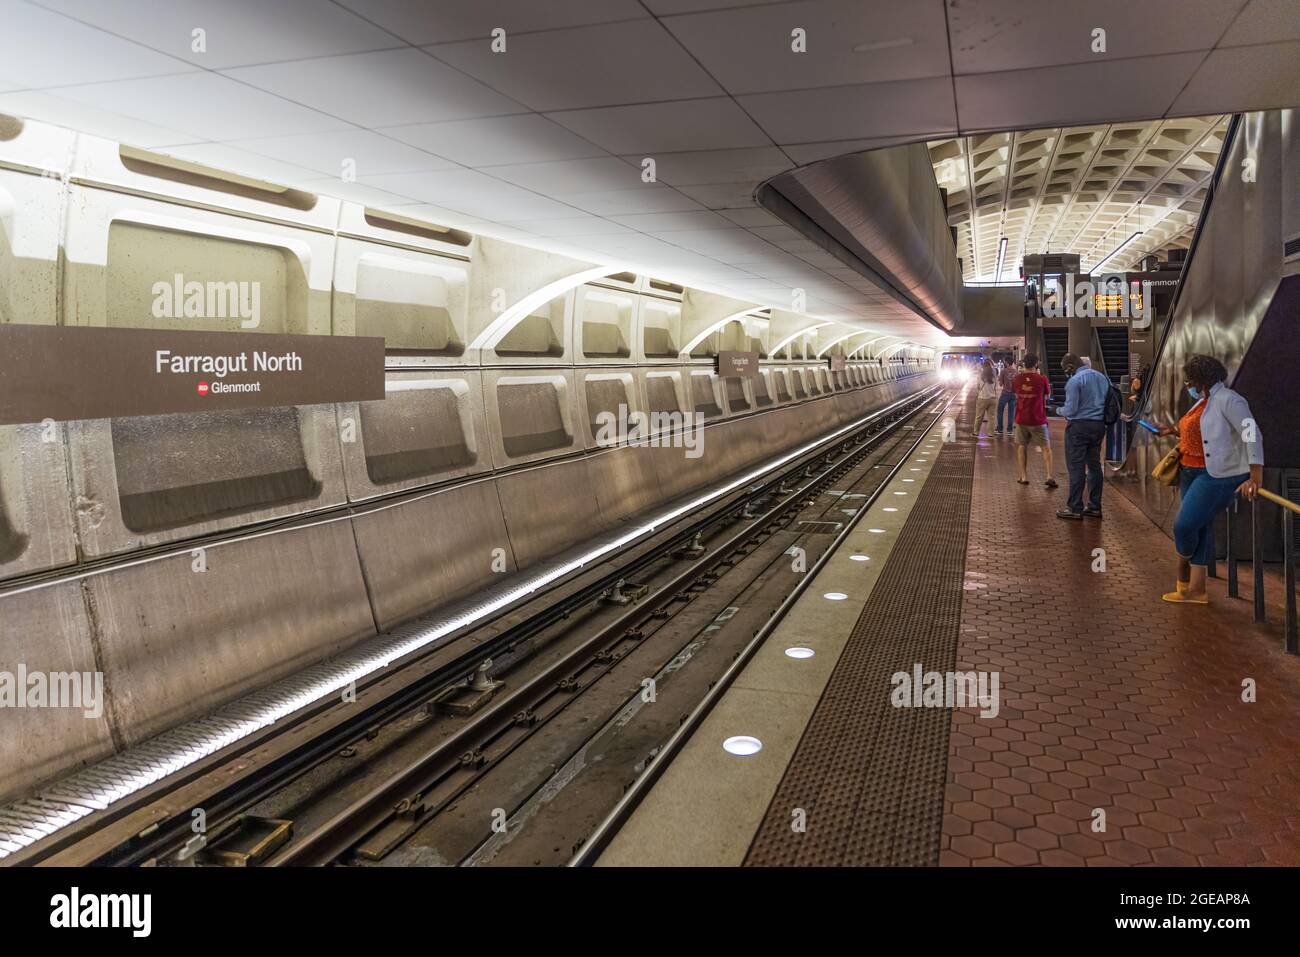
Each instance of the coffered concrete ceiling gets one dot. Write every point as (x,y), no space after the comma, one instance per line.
(1084,190)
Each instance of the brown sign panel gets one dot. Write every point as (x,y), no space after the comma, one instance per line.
(836,363)
(738,365)
(68,373)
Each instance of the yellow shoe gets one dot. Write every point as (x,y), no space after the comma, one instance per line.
(1184,597)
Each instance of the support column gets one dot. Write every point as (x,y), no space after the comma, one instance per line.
(1080,335)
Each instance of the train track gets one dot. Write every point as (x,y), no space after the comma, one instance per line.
(357,782)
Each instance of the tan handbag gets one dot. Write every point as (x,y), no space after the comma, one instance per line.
(1167,469)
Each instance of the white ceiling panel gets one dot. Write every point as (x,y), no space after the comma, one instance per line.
(385,88)
(39,48)
(753,216)
(710,124)
(628,62)
(1264,21)
(571,176)
(577,225)
(726,245)
(360,193)
(497,140)
(916,107)
(230,110)
(718,166)
(1000,35)
(646,199)
(848,42)
(471,192)
(237,32)
(443,22)
(1264,74)
(369,153)
(1124,89)
(803,153)
(721,195)
(671,222)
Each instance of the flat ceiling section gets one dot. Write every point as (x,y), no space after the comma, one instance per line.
(717,92)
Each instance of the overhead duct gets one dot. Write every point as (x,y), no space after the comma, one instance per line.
(882,213)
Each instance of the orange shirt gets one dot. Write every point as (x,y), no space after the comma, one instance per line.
(1189,437)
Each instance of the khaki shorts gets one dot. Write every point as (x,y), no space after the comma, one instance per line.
(1032,435)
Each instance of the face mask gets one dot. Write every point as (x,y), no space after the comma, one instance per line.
(1192,391)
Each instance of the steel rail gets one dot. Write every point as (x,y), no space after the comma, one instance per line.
(382,803)
(258,784)
(637,790)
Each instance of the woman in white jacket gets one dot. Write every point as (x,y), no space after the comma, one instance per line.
(986,400)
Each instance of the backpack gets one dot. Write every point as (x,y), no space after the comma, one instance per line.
(1114,403)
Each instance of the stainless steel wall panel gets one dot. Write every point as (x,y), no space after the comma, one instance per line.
(549,508)
(437,548)
(47,630)
(177,642)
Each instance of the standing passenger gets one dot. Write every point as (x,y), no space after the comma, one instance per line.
(1032,390)
(987,396)
(1007,400)
(1085,414)
(1221,425)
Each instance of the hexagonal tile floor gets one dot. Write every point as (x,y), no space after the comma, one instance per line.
(1123,736)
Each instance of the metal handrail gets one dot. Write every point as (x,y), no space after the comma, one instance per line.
(1280,500)
(1288,510)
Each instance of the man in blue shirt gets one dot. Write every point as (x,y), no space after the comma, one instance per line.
(1085,414)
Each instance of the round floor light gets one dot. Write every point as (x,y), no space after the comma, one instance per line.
(890,508)
(799,652)
(876,531)
(835,596)
(742,745)
(859,558)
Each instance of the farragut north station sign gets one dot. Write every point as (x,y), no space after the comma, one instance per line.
(64,373)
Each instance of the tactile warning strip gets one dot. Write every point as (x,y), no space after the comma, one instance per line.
(868,776)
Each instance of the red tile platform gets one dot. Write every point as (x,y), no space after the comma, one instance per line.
(1111,698)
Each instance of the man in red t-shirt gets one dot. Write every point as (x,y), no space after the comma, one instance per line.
(1032,390)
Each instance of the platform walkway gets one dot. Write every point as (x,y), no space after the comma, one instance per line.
(1118,734)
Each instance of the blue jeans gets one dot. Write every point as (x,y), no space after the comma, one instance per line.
(1007,401)
(1203,497)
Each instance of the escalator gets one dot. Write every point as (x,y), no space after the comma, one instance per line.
(1056,343)
(1112,343)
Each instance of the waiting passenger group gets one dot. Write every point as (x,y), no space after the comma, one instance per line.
(1220,449)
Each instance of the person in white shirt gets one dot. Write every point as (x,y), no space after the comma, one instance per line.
(1233,449)
(986,400)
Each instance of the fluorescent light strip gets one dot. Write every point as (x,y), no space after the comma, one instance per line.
(1002,255)
(121,775)
(1102,262)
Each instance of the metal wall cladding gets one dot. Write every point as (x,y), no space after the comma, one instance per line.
(177,642)
(1228,285)
(550,508)
(885,206)
(421,553)
(48,630)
